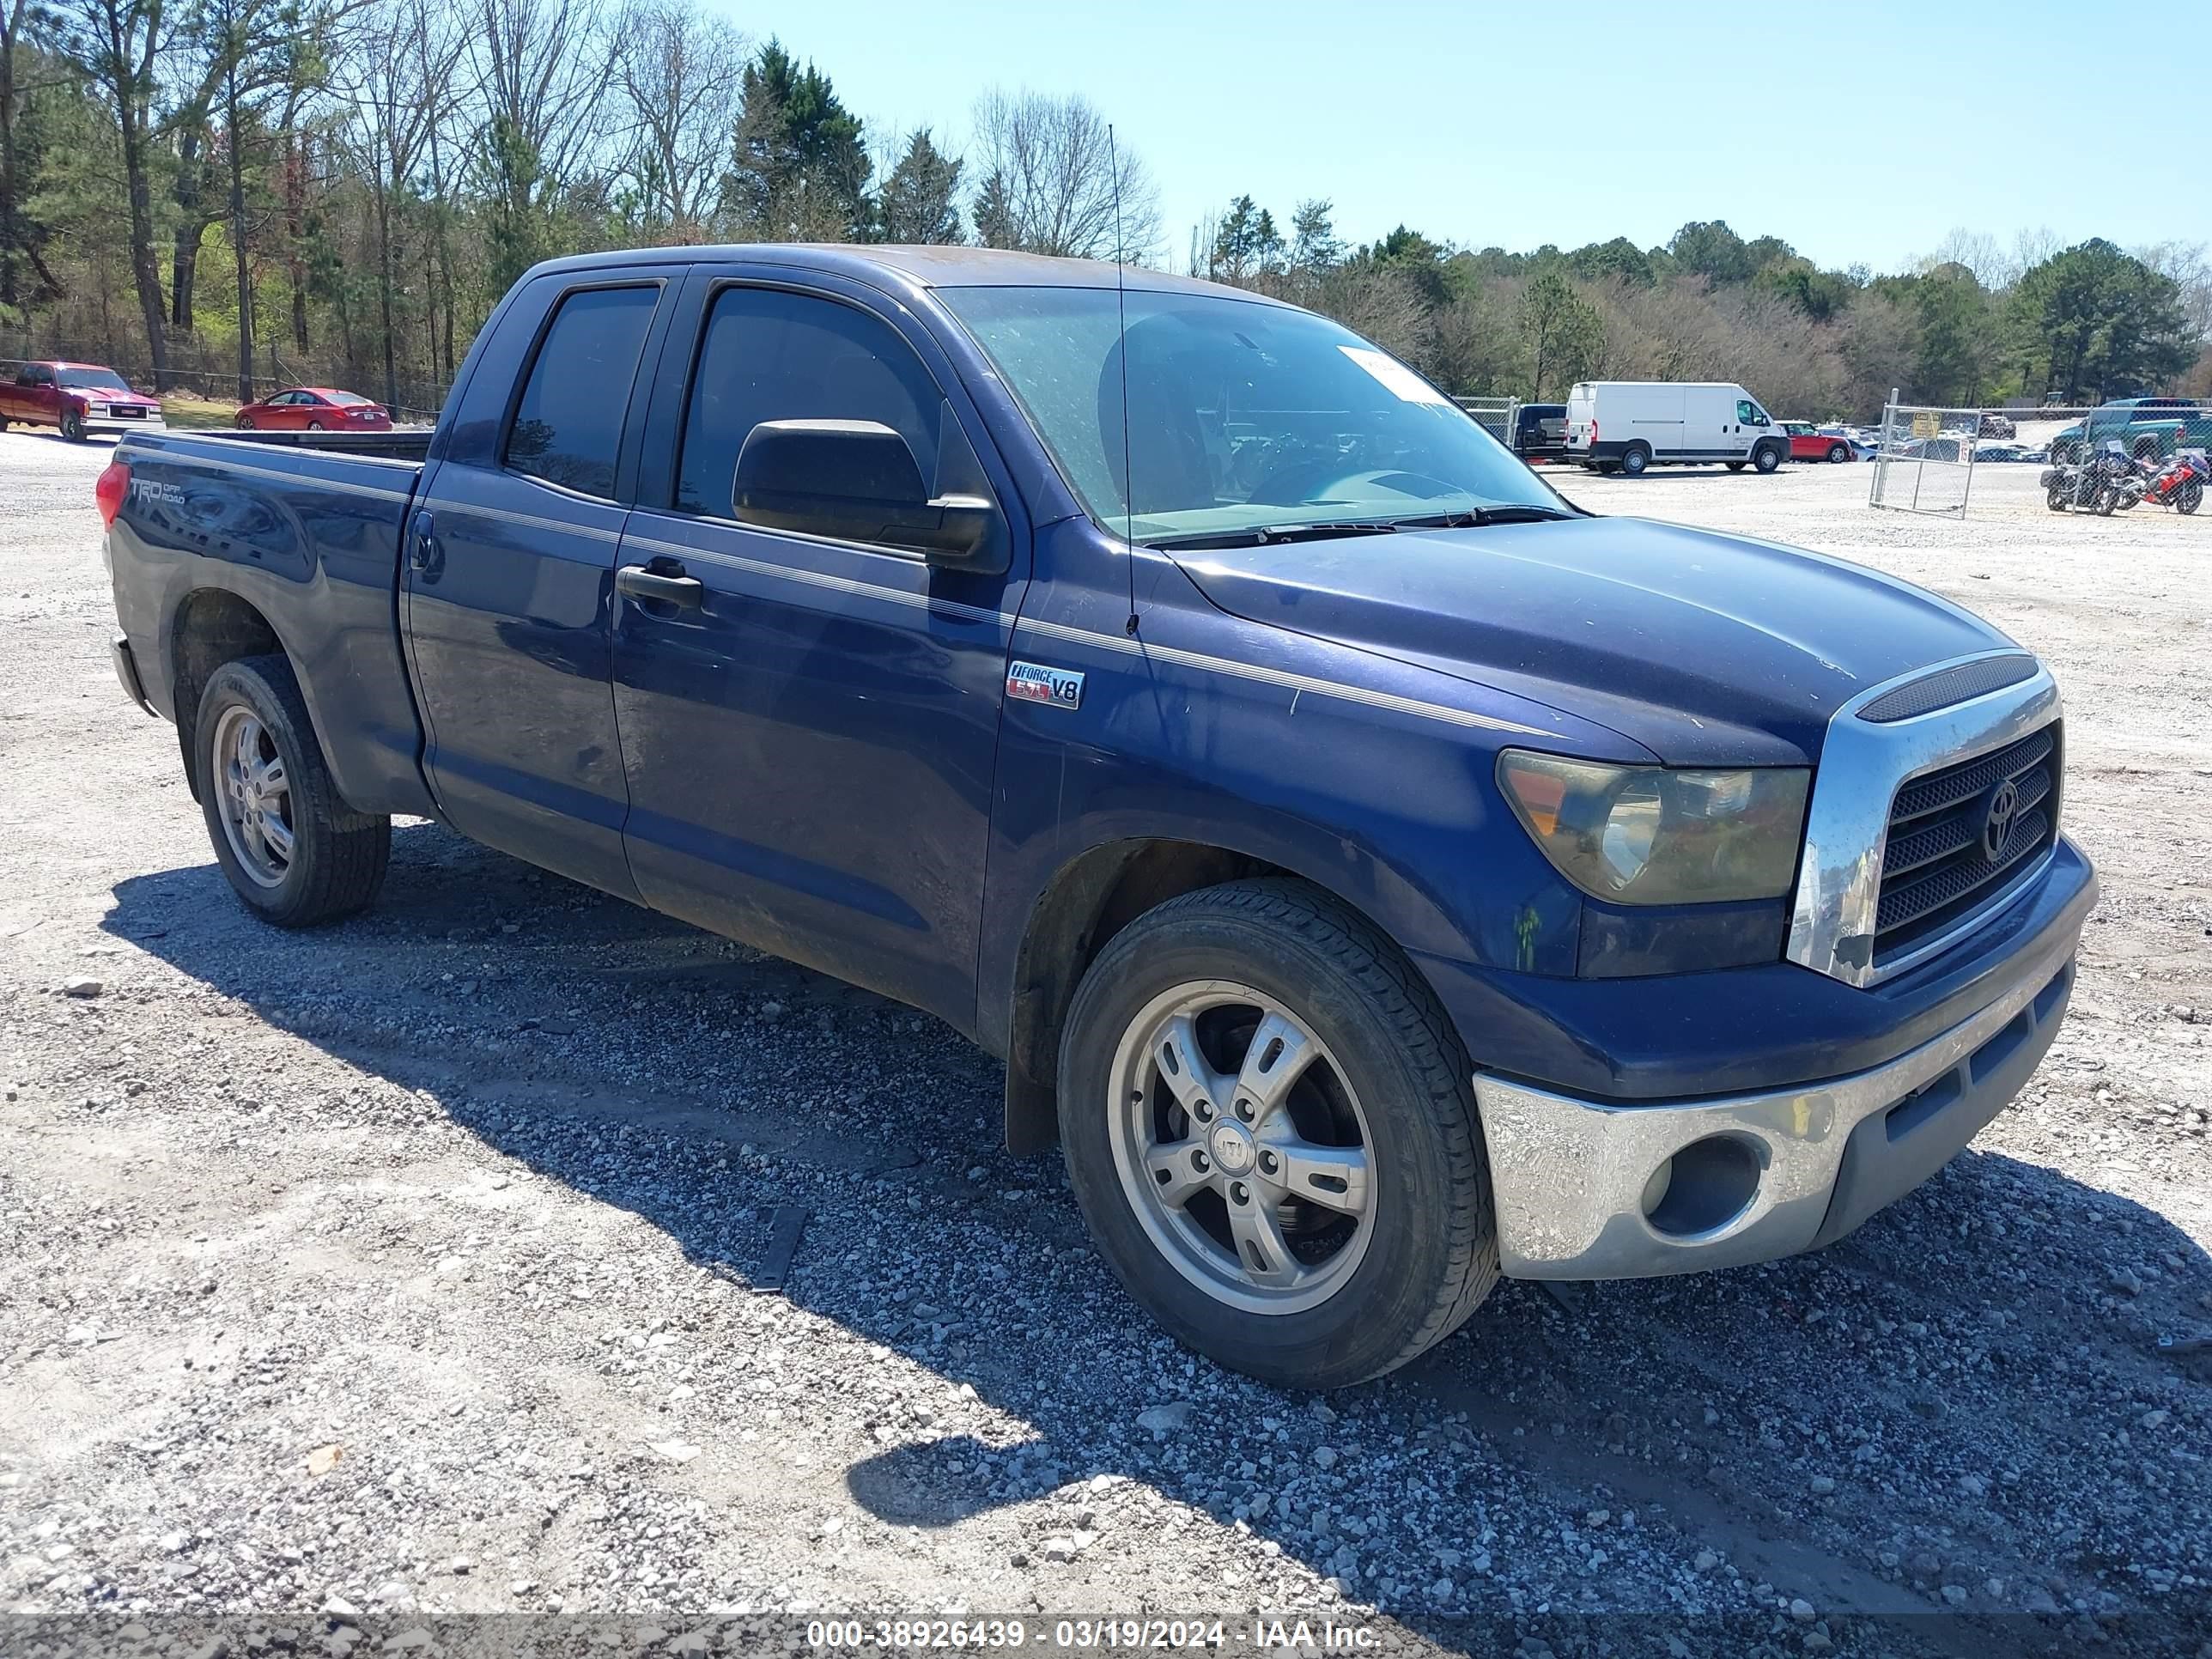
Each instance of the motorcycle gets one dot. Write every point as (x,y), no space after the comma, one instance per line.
(2074,483)
(2180,483)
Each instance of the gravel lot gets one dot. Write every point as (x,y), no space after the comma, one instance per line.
(410,1262)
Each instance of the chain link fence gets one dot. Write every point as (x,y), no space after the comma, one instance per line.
(1931,459)
(209,372)
(1497,415)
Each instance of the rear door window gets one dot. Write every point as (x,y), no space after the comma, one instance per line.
(568,425)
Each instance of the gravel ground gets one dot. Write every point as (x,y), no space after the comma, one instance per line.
(410,1262)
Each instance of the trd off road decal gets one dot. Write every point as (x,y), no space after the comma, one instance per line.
(1028,681)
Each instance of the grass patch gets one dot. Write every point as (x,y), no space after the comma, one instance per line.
(180,411)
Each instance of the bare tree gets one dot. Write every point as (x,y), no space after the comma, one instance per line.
(115,42)
(388,83)
(1053,181)
(678,73)
(541,69)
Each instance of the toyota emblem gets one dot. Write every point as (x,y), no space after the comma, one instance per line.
(1997,828)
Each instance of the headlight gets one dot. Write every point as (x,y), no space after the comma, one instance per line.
(1648,834)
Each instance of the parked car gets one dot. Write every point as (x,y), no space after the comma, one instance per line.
(1810,443)
(1997,426)
(2005,452)
(1626,426)
(1378,874)
(77,398)
(2148,429)
(315,409)
(1539,432)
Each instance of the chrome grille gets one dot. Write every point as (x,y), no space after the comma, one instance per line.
(1937,865)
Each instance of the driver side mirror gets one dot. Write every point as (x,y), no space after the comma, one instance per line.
(858,481)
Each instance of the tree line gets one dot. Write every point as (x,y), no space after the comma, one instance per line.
(348,187)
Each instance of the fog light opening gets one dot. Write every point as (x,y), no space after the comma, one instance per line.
(1706,1185)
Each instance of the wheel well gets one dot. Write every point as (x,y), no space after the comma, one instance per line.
(213,627)
(1090,901)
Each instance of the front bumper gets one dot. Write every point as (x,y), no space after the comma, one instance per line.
(1589,1189)
(120,423)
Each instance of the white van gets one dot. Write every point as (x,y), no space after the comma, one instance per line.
(1626,426)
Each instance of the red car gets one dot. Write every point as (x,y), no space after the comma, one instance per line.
(1808,443)
(77,398)
(315,409)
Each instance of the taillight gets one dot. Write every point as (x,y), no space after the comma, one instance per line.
(1593,432)
(108,491)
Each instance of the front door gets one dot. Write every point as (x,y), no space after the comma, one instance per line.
(510,581)
(810,734)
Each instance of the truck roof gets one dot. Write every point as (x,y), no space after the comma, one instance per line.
(935,265)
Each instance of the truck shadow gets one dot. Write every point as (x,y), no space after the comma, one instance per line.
(1910,1408)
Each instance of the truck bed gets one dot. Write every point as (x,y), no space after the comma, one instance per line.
(293,541)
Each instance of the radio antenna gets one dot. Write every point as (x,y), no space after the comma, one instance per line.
(1121,309)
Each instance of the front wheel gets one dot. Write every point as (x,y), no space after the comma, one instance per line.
(291,848)
(1271,1127)
(2055,499)
(1767,458)
(1838,453)
(73,425)
(2107,499)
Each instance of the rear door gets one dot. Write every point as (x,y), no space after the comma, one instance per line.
(810,740)
(510,580)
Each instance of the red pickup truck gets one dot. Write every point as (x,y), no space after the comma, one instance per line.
(78,398)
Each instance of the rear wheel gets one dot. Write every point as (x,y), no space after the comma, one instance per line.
(2055,499)
(1271,1128)
(292,849)
(1733,467)
(2107,499)
(2189,498)
(1634,459)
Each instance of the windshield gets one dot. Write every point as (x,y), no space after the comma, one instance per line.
(1242,416)
(107,379)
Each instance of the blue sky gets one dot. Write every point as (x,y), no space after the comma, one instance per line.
(1857,132)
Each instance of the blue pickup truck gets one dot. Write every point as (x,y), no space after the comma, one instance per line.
(1378,874)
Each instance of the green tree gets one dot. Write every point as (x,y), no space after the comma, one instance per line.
(2098,323)
(919,201)
(1708,248)
(801,166)
(1620,257)
(1246,244)
(1564,331)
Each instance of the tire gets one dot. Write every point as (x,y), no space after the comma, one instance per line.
(1634,459)
(242,424)
(2055,499)
(73,426)
(1838,453)
(2189,498)
(1766,458)
(314,426)
(2107,499)
(1374,1285)
(337,857)
(1733,466)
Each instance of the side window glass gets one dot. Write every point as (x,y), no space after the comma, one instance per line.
(1747,412)
(568,425)
(769,355)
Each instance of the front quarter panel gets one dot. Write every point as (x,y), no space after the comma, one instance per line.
(1372,778)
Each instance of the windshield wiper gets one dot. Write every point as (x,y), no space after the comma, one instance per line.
(1269,534)
(1475,517)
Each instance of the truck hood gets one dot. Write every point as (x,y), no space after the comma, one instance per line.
(1706,649)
